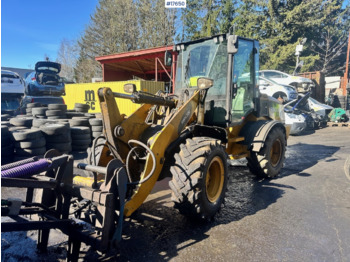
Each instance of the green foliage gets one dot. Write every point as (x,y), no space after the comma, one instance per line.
(279,25)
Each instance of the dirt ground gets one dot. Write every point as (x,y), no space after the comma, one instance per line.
(303,215)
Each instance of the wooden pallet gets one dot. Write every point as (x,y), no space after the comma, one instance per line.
(340,124)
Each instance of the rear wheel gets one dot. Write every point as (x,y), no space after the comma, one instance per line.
(269,161)
(199,178)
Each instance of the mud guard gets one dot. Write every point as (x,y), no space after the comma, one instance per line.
(255,133)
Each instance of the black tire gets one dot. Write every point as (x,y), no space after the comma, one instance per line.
(14,128)
(57,117)
(62,147)
(39,111)
(199,178)
(21,121)
(5,123)
(40,122)
(90,116)
(82,110)
(96,122)
(30,152)
(26,134)
(54,129)
(269,161)
(74,114)
(61,107)
(281,95)
(37,143)
(85,142)
(79,105)
(79,130)
(97,128)
(54,113)
(4,130)
(80,137)
(63,138)
(79,148)
(79,122)
(5,117)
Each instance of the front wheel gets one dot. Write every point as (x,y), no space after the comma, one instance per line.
(199,178)
(269,161)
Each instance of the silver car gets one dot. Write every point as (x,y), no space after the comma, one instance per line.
(276,90)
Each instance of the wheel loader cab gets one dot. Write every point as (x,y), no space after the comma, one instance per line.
(233,94)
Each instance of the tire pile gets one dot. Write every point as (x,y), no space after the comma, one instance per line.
(96,126)
(81,138)
(56,111)
(28,143)
(82,108)
(6,146)
(39,112)
(57,136)
(29,108)
(48,127)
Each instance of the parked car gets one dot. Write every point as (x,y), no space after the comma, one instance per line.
(45,80)
(276,90)
(43,100)
(12,89)
(11,82)
(302,84)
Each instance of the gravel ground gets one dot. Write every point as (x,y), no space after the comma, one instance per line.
(303,215)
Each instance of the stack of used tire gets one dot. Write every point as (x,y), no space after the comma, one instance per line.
(29,108)
(71,113)
(81,137)
(5,120)
(39,112)
(57,136)
(22,121)
(96,126)
(38,123)
(28,143)
(82,108)
(5,117)
(6,146)
(56,111)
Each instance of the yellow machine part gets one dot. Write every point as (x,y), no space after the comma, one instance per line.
(86,93)
(159,144)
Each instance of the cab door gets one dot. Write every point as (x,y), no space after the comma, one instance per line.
(245,66)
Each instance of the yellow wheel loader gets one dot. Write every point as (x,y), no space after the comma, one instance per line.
(214,114)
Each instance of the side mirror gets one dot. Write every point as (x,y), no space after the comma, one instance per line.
(168,58)
(204,83)
(129,88)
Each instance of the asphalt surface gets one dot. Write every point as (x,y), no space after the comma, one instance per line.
(302,215)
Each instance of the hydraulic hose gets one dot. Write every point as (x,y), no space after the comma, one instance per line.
(128,157)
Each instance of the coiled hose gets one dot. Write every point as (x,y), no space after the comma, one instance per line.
(27,170)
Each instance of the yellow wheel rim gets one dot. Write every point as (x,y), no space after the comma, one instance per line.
(276,152)
(215,179)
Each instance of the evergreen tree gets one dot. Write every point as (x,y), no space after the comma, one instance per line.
(120,26)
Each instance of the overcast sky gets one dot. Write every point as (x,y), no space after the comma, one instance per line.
(31,29)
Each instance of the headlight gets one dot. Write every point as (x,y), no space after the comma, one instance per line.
(304,85)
